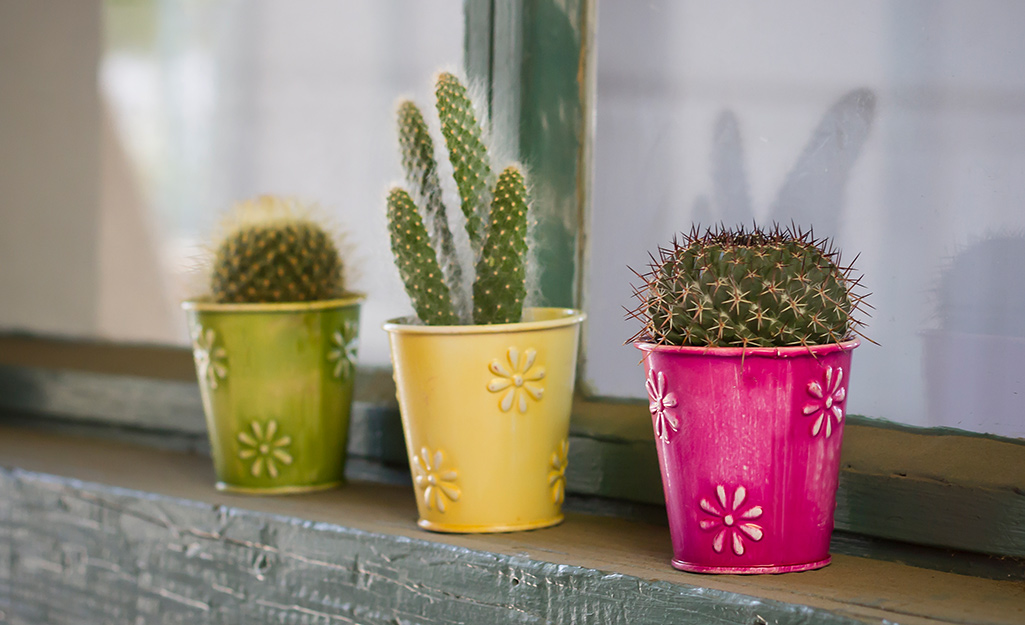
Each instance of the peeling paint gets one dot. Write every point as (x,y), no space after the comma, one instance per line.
(144,565)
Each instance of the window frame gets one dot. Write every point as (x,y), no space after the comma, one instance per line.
(925,486)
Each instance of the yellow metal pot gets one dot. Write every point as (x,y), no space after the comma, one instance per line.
(485,410)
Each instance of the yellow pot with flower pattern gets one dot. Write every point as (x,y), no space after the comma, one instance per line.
(276,382)
(485,411)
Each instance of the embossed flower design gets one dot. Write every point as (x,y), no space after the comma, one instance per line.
(345,343)
(264,448)
(659,403)
(557,476)
(210,359)
(438,483)
(730,519)
(827,401)
(519,380)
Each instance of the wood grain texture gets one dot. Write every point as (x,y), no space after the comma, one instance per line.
(152,361)
(128,401)
(138,535)
(943,489)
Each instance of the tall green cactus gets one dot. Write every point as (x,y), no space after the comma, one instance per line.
(272,253)
(495,214)
(500,286)
(468,154)
(417,262)
(747,288)
(422,176)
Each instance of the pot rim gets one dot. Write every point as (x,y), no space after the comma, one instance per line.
(795,351)
(201,305)
(564,317)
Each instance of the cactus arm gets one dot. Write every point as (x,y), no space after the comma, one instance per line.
(500,288)
(470,164)
(417,262)
(422,176)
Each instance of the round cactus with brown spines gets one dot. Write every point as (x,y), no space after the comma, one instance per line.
(747,288)
(272,253)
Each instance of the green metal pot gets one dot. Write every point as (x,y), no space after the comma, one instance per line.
(276,381)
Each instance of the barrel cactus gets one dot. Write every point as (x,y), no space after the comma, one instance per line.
(748,288)
(494,210)
(273,252)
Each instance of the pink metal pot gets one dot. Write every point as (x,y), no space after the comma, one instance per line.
(749,447)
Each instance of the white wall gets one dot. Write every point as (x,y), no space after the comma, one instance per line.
(118,162)
(77,252)
(49,165)
(895,127)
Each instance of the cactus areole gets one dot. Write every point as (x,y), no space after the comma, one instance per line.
(742,287)
(494,211)
(271,253)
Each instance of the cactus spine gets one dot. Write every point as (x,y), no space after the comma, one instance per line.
(422,176)
(495,214)
(468,155)
(272,253)
(500,288)
(417,262)
(743,288)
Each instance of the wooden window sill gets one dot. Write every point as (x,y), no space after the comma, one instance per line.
(100,531)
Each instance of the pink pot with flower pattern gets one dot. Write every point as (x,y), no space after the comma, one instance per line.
(749,447)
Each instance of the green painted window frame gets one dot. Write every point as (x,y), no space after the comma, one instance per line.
(935,487)
(927,486)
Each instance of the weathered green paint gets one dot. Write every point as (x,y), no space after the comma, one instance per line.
(174,409)
(937,559)
(82,553)
(613,468)
(928,512)
(479,19)
(121,400)
(886,424)
(537,62)
(884,492)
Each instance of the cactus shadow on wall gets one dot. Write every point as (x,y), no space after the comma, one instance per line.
(973,361)
(813,192)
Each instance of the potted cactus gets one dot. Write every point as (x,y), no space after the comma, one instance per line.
(275,343)
(747,338)
(485,386)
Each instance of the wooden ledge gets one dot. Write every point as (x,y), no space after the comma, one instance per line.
(892,477)
(104,531)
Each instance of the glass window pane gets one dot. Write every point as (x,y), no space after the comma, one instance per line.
(181,108)
(896,128)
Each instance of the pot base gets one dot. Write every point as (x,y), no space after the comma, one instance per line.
(750,570)
(278,490)
(447,528)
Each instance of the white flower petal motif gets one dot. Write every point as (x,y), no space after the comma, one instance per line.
(210,359)
(557,476)
(345,345)
(659,403)
(265,451)
(519,378)
(827,403)
(438,484)
(729,519)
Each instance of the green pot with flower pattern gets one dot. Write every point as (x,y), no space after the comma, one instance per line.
(277,382)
